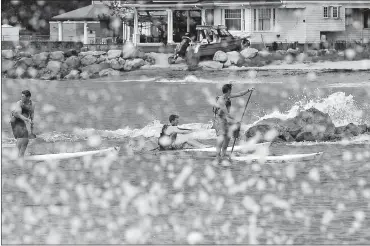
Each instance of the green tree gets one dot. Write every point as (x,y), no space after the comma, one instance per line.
(34,15)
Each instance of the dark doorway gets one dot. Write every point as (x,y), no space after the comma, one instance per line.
(180,23)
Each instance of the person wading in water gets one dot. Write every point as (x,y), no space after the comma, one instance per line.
(21,115)
(223,120)
(172,137)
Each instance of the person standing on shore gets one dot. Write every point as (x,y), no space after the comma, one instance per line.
(223,120)
(21,115)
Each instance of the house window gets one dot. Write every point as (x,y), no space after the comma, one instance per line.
(255,19)
(326,11)
(348,17)
(264,19)
(209,17)
(367,19)
(336,12)
(233,19)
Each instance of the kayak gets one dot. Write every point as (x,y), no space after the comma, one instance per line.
(238,148)
(61,156)
(281,158)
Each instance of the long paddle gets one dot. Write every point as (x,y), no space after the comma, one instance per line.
(241,120)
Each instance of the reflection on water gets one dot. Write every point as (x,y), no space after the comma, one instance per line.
(182,198)
(152,199)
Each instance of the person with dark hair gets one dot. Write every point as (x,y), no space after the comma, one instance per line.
(22,113)
(173,137)
(223,120)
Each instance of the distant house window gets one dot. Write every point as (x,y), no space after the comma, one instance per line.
(264,19)
(367,19)
(233,19)
(255,19)
(348,17)
(209,17)
(336,13)
(326,11)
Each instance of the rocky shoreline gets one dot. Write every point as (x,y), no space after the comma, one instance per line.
(84,65)
(72,64)
(308,125)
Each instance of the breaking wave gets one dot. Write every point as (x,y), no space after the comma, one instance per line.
(342,110)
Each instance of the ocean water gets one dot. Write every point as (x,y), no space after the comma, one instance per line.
(184,198)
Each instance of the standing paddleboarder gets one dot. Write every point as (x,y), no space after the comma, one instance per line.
(223,119)
(21,115)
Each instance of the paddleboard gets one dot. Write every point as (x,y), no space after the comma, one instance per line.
(281,158)
(238,148)
(62,156)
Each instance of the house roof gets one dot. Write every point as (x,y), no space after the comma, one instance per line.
(94,11)
(91,12)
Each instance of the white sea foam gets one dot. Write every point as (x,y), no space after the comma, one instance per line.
(341,108)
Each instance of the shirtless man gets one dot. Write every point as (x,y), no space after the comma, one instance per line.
(21,115)
(223,119)
(172,137)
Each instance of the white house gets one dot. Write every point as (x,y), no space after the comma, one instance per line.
(9,33)
(157,21)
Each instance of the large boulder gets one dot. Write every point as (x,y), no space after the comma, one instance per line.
(73,74)
(136,63)
(220,56)
(127,66)
(149,59)
(117,64)
(73,62)
(113,54)
(350,130)
(26,61)
(40,60)
(281,53)
(7,54)
(71,52)
(25,54)
(249,53)
(315,121)
(88,60)
(95,68)
(130,51)
(210,65)
(308,125)
(102,58)
(85,75)
(311,53)
(32,72)
(6,65)
(270,130)
(227,64)
(54,67)
(109,72)
(57,56)
(293,52)
(235,58)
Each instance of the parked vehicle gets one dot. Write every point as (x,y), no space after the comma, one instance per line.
(209,40)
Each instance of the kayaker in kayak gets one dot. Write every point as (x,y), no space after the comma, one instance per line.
(173,138)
